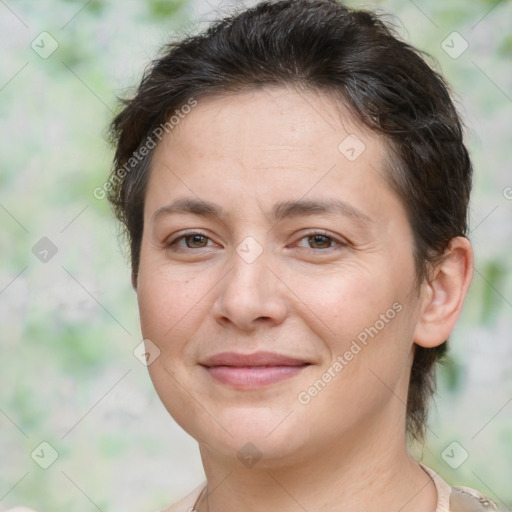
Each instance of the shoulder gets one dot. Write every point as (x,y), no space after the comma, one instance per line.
(459,498)
(466,499)
(186,504)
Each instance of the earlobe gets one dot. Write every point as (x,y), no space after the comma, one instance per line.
(443,296)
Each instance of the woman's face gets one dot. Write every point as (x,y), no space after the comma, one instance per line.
(268,227)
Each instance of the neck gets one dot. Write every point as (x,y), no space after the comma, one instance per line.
(369,470)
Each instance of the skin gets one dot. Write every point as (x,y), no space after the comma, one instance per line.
(302,296)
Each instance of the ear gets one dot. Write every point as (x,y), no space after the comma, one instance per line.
(442,296)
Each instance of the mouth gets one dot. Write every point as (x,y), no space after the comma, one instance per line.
(250,371)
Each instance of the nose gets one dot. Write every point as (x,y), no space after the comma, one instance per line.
(251,293)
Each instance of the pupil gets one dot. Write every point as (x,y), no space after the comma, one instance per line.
(197,239)
(320,239)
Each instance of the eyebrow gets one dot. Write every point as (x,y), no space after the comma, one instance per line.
(280,211)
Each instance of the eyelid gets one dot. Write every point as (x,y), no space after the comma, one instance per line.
(170,242)
(340,241)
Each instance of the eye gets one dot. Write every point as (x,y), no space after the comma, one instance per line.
(193,240)
(318,241)
(322,241)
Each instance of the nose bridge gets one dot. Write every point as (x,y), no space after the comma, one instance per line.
(251,290)
(250,249)
(249,274)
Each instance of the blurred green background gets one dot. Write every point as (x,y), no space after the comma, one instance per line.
(69,321)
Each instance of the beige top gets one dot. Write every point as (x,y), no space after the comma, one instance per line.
(449,499)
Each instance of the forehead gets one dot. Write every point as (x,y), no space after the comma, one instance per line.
(274,142)
(270,117)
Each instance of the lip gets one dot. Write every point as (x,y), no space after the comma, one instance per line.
(250,371)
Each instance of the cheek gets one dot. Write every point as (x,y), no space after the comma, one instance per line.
(172,303)
(363,317)
(164,305)
(168,311)
(157,297)
(343,301)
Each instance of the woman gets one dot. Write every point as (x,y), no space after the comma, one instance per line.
(294,185)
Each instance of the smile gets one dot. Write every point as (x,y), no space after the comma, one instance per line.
(251,371)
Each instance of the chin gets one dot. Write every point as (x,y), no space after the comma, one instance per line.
(252,433)
(249,450)
(268,425)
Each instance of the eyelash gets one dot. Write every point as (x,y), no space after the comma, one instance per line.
(172,244)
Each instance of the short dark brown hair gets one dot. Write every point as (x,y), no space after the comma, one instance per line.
(324,46)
